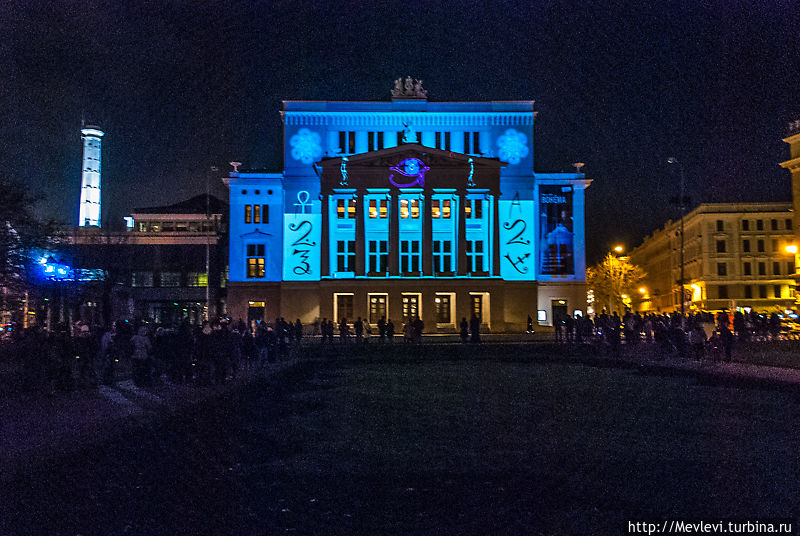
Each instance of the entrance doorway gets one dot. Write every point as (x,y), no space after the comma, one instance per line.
(377,307)
(560,309)
(410,307)
(255,312)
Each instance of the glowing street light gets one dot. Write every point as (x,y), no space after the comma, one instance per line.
(619,249)
(791,249)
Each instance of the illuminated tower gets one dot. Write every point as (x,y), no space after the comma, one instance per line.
(90,177)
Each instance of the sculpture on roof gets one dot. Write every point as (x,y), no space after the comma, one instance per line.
(409,88)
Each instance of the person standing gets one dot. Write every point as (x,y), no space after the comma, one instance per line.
(390,330)
(382,329)
(464,327)
(298,331)
(141,356)
(475,329)
(108,355)
(359,329)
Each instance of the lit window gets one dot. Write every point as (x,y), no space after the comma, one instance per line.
(446,208)
(373,208)
(248,213)
(415,208)
(436,210)
(256,213)
(345,209)
(404,208)
(197,279)
(473,208)
(384,210)
(255,261)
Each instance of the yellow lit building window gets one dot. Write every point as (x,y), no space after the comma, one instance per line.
(415,208)
(446,209)
(373,208)
(384,209)
(436,211)
(404,208)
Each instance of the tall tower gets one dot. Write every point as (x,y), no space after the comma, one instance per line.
(90,177)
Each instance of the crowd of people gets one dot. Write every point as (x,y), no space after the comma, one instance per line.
(206,354)
(693,335)
(215,352)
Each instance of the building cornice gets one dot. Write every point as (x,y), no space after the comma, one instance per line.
(792,165)
(382,120)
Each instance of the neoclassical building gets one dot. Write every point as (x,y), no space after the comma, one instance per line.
(735,256)
(407,207)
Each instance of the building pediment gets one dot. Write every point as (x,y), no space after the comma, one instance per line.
(430,156)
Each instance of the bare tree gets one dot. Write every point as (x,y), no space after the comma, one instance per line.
(613,278)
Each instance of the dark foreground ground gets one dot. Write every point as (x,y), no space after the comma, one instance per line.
(392,444)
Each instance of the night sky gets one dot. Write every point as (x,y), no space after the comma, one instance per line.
(179,86)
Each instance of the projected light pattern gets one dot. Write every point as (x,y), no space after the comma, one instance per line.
(513,146)
(306,146)
(411,168)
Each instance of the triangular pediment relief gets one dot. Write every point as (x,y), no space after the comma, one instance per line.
(254,234)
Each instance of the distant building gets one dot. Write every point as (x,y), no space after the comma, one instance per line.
(735,256)
(407,208)
(156,270)
(793,165)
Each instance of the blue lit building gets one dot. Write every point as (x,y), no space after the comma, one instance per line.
(403,208)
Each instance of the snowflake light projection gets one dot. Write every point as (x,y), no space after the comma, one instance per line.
(513,146)
(306,146)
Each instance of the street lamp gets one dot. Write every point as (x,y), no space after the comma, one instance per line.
(619,249)
(673,160)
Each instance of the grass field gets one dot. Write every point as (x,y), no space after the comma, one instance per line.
(464,443)
(483,446)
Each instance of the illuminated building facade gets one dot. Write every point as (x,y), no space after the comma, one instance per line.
(735,256)
(89,213)
(404,208)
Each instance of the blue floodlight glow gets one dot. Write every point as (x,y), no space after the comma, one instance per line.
(55,270)
(513,146)
(306,146)
(411,168)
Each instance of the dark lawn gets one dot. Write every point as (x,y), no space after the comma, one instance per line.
(409,446)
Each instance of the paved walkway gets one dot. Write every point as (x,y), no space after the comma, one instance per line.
(34,426)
